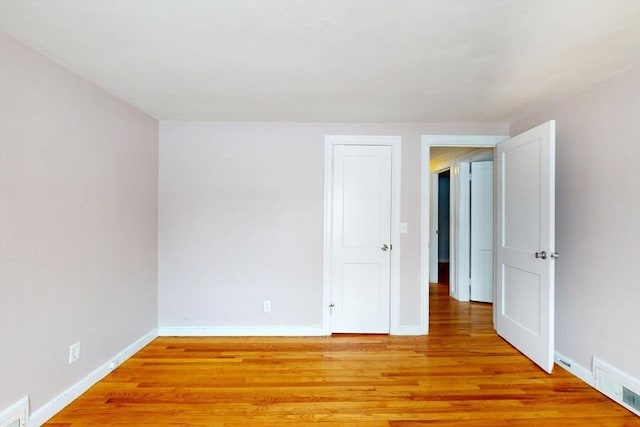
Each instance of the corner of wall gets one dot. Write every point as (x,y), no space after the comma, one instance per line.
(55,405)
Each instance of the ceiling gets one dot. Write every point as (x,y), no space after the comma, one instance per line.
(334,60)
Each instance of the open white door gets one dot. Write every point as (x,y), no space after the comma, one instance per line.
(361,253)
(526,242)
(481,281)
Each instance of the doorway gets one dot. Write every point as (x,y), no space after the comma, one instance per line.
(525,236)
(443,225)
(461,221)
(358,252)
(450,152)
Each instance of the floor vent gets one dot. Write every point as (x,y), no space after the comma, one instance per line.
(16,414)
(631,398)
(617,385)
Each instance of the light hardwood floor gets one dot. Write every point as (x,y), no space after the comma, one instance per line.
(462,374)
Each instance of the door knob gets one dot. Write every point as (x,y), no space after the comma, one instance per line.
(542,255)
(554,255)
(385,247)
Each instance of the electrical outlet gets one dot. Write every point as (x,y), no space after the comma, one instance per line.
(74,352)
(267,306)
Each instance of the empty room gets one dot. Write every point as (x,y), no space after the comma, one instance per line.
(323,212)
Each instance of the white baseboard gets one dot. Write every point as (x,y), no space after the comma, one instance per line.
(240,331)
(410,330)
(579,371)
(262,331)
(16,413)
(49,409)
(612,381)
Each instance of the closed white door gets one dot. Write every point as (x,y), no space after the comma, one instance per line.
(361,245)
(482,231)
(526,242)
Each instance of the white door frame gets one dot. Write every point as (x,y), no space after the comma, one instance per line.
(427,142)
(434,205)
(460,255)
(395,142)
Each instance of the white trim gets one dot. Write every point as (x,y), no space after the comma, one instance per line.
(434,207)
(410,330)
(396,174)
(594,376)
(579,371)
(56,404)
(428,141)
(459,252)
(240,331)
(624,378)
(463,140)
(453,206)
(611,381)
(19,411)
(425,176)
(326,242)
(461,232)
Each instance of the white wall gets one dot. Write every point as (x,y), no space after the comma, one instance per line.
(241,220)
(598,221)
(78,223)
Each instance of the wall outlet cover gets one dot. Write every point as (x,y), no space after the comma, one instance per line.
(74,352)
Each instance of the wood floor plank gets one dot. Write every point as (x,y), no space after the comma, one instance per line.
(462,374)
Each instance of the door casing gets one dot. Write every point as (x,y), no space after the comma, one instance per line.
(433,230)
(460,232)
(394,298)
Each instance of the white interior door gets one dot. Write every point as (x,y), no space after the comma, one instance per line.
(361,239)
(461,249)
(526,242)
(481,231)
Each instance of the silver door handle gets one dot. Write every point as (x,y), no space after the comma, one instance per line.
(385,247)
(554,255)
(542,255)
